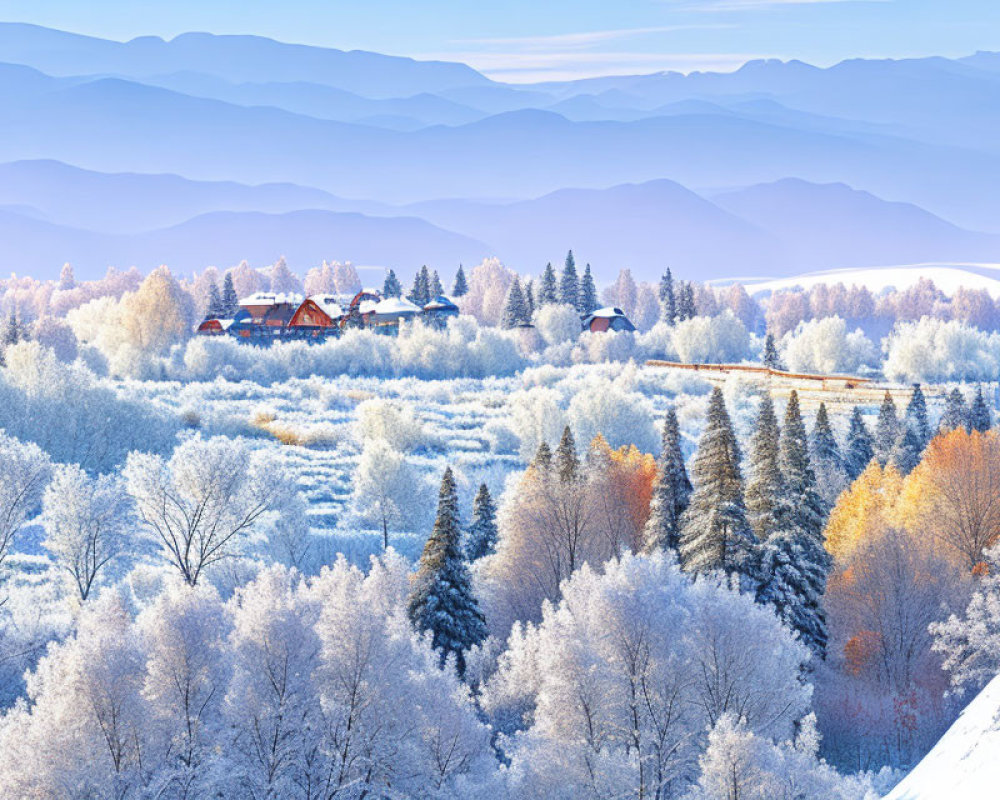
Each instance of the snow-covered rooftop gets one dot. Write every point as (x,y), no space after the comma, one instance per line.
(396,306)
(271,299)
(440,302)
(328,304)
(608,312)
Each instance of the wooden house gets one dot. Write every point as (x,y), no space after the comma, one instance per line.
(607,319)
(360,309)
(272,310)
(211,326)
(318,315)
(439,310)
(390,312)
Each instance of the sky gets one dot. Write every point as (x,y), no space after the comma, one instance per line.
(532,40)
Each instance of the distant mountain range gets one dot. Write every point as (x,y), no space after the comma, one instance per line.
(208,149)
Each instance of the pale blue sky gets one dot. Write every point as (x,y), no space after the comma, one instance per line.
(541,39)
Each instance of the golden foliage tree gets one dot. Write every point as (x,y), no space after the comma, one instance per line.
(953,496)
(868,506)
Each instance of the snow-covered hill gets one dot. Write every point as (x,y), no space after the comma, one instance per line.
(965,764)
(947,277)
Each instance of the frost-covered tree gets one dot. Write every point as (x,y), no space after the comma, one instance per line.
(515,310)
(980,418)
(548,292)
(827,461)
(739,764)
(386,487)
(668,301)
(26,472)
(391,287)
(283,280)
(567,462)
(916,417)
(672,491)
(886,429)
(461,287)
(569,284)
(588,293)
(230,300)
(199,505)
(685,301)
(67,280)
(767,499)
(436,289)
(345,278)
(704,340)
(420,294)
(87,523)
(715,534)
(956,414)
(905,454)
(621,680)
(794,563)
(215,307)
(481,538)
(489,283)
(859,450)
(320,280)
(557,323)
(442,601)
(55,334)
(529,299)
(771,357)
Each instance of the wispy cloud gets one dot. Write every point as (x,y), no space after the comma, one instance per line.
(583,40)
(749,5)
(535,67)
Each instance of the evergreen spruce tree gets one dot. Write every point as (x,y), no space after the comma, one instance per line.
(772,359)
(906,451)
(671,492)
(796,567)
(955,415)
(420,294)
(588,293)
(766,494)
(392,287)
(715,534)
(549,290)
(668,301)
(979,414)
(515,308)
(569,285)
(461,287)
(230,300)
(886,429)
(808,513)
(543,458)
(794,563)
(823,446)
(482,537)
(529,301)
(442,600)
(860,450)
(11,331)
(567,460)
(916,417)
(215,306)
(435,288)
(686,308)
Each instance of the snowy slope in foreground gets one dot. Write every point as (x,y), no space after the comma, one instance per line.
(947,277)
(965,764)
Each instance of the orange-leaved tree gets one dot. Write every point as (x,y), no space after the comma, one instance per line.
(953,496)
(863,510)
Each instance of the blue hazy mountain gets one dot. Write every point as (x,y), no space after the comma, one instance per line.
(114,125)
(39,248)
(234,58)
(220,128)
(775,229)
(132,202)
